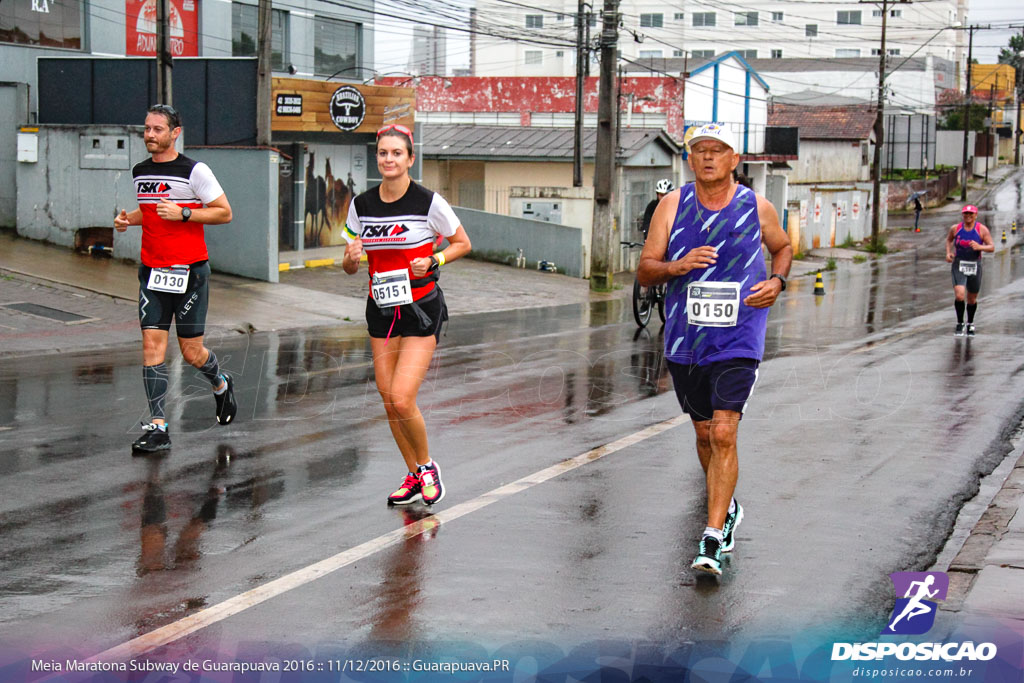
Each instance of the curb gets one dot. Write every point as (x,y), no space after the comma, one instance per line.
(990,529)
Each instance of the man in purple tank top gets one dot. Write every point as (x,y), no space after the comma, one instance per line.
(705,243)
(964,244)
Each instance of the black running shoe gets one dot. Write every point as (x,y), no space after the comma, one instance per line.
(226,406)
(959,331)
(732,520)
(709,556)
(153,440)
(970,329)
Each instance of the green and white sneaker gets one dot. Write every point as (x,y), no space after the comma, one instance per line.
(709,556)
(732,520)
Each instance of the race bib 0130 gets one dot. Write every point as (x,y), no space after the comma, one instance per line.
(172,279)
(713,304)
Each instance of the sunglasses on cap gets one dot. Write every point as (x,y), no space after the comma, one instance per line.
(395,126)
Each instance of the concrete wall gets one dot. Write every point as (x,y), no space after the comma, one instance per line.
(949,147)
(829,161)
(503,235)
(14,113)
(247,245)
(844,212)
(57,197)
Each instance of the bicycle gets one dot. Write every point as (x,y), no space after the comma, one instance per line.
(646,298)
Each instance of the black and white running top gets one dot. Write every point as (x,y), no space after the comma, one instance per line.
(395,233)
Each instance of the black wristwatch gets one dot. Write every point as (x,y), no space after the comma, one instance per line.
(434,264)
(186,213)
(781,279)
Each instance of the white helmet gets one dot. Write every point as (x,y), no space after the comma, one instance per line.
(664,186)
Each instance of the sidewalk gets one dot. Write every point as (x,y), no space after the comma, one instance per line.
(92,299)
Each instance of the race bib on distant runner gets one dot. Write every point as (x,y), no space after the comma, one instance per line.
(969,267)
(173,279)
(714,304)
(391,288)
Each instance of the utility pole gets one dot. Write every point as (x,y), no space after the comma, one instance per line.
(264,74)
(604,163)
(876,180)
(967,112)
(163,53)
(988,128)
(581,59)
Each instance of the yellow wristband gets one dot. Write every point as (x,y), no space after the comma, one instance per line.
(440,258)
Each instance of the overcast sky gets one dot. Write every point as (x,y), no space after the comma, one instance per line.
(983,12)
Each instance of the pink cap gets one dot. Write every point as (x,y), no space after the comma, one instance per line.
(970,208)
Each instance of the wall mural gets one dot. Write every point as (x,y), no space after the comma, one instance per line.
(334,174)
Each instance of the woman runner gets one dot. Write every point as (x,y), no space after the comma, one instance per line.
(397,224)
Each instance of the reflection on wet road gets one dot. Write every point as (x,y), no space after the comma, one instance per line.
(860,402)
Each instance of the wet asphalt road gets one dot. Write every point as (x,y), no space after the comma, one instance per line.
(866,432)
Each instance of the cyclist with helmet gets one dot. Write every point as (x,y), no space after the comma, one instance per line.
(662,188)
(397,223)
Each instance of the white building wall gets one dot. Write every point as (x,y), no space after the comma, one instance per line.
(826,161)
(916,26)
(699,102)
(912,90)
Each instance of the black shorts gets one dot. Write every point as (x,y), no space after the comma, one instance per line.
(722,385)
(408,321)
(971,282)
(188,310)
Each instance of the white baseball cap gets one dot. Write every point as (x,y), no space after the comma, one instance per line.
(709,131)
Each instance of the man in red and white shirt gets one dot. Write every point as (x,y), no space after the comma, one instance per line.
(177,197)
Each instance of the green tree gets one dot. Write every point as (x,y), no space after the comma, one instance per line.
(1014,56)
(954,117)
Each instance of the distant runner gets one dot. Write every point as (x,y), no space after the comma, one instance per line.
(177,197)
(965,243)
(705,242)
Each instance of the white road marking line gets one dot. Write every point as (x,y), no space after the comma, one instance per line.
(192,623)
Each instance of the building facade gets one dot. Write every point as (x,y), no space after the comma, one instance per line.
(757,29)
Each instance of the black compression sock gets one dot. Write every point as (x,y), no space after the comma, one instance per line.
(211,370)
(971,309)
(154,377)
(959,306)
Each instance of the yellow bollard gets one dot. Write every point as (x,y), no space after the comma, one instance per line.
(819,286)
(1013,228)
(1004,237)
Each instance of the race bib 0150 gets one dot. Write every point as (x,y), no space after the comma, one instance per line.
(713,304)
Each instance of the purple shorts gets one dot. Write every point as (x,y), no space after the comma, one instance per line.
(721,385)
